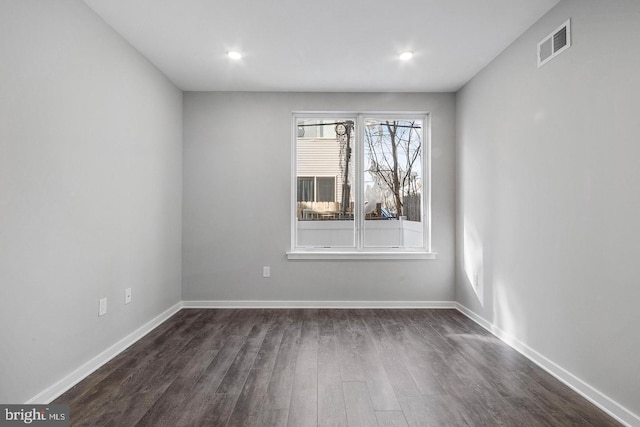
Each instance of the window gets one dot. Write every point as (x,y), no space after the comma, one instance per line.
(316,189)
(306,189)
(326,189)
(360,185)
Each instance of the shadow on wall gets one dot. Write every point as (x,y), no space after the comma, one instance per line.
(472,260)
(505,315)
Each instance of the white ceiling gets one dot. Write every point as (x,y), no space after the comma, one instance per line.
(322,45)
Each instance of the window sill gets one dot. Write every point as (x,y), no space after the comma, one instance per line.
(319,255)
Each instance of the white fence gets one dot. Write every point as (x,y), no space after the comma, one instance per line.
(377,233)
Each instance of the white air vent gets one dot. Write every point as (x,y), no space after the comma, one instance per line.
(554,44)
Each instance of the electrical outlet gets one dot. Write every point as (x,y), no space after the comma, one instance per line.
(102,307)
(266,271)
(127,295)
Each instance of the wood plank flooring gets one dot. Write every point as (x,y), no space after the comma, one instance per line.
(312,367)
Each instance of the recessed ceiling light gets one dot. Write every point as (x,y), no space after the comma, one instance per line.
(405,56)
(234,54)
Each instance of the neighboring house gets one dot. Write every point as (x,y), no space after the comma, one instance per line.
(319,175)
(318,170)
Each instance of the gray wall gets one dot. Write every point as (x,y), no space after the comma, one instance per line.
(237,193)
(90,191)
(548,205)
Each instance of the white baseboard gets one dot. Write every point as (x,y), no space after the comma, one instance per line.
(54,391)
(318,304)
(602,401)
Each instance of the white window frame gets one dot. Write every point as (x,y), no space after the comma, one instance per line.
(359,251)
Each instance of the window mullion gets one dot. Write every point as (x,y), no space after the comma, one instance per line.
(358,182)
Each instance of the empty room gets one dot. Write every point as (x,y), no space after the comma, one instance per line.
(332,213)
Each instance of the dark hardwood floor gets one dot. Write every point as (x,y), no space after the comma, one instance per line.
(311,367)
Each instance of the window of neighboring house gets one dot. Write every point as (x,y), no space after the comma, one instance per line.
(361,185)
(316,189)
(306,189)
(326,189)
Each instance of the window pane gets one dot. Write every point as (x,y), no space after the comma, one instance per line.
(393,182)
(306,190)
(326,189)
(324,177)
